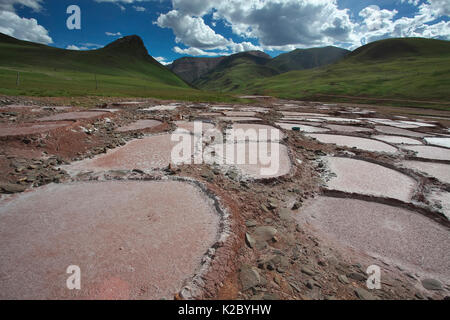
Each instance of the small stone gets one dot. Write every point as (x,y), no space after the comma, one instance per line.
(281,269)
(357,276)
(249,240)
(343,279)
(251,223)
(285,214)
(296,206)
(268,220)
(249,277)
(270,296)
(12,188)
(431,284)
(419,296)
(307,270)
(264,208)
(363,294)
(295,287)
(265,233)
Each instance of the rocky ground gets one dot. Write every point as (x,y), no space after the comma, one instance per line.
(269,253)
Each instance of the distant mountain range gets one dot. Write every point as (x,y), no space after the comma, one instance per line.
(230,73)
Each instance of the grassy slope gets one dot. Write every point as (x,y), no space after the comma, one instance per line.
(412,69)
(48,71)
(301,59)
(235,72)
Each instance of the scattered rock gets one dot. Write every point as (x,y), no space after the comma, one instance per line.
(285,214)
(343,279)
(265,233)
(431,284)
(363,294)
(249,277)
(251,223)
(357,276)
(12,188)
(249,240)
(308,271)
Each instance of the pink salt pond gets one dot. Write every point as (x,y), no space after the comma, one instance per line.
(399,131)
(190,126)
(131,240)
(257,132)
(357,176)
(439,171)
(302,127)
(140,125)
(26,129)
(149,153)
(240,113)
(428,152)
(397,235)
(396,139)
(247,158)
(341,128)
(74,116)
(354,142)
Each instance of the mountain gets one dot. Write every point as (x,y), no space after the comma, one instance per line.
(123,67)
(235,71)
(301,59)
(407,68)
(190,69)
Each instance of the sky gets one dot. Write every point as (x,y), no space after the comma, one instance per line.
(175,28)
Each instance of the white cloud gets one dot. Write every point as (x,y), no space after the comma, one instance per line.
(113,34)
(139,8)
(23,28)
(273,23)
(8,5)
(378,24)
(191,31)
(377,19)
(289,24)
(163,60)
(197,52)
(73,47)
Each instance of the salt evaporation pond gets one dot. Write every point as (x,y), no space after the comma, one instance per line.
(439,171)
(131,240)
(149,153)
(74,116)
(357,176)
(428,152)
(438,141)
(30,128)
(302,127)
(354,142)
(140,125)
(400,236)
(396,139)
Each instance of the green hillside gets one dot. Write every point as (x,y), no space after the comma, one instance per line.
(235,72)
(409,69)
(122,68)
(302,59)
